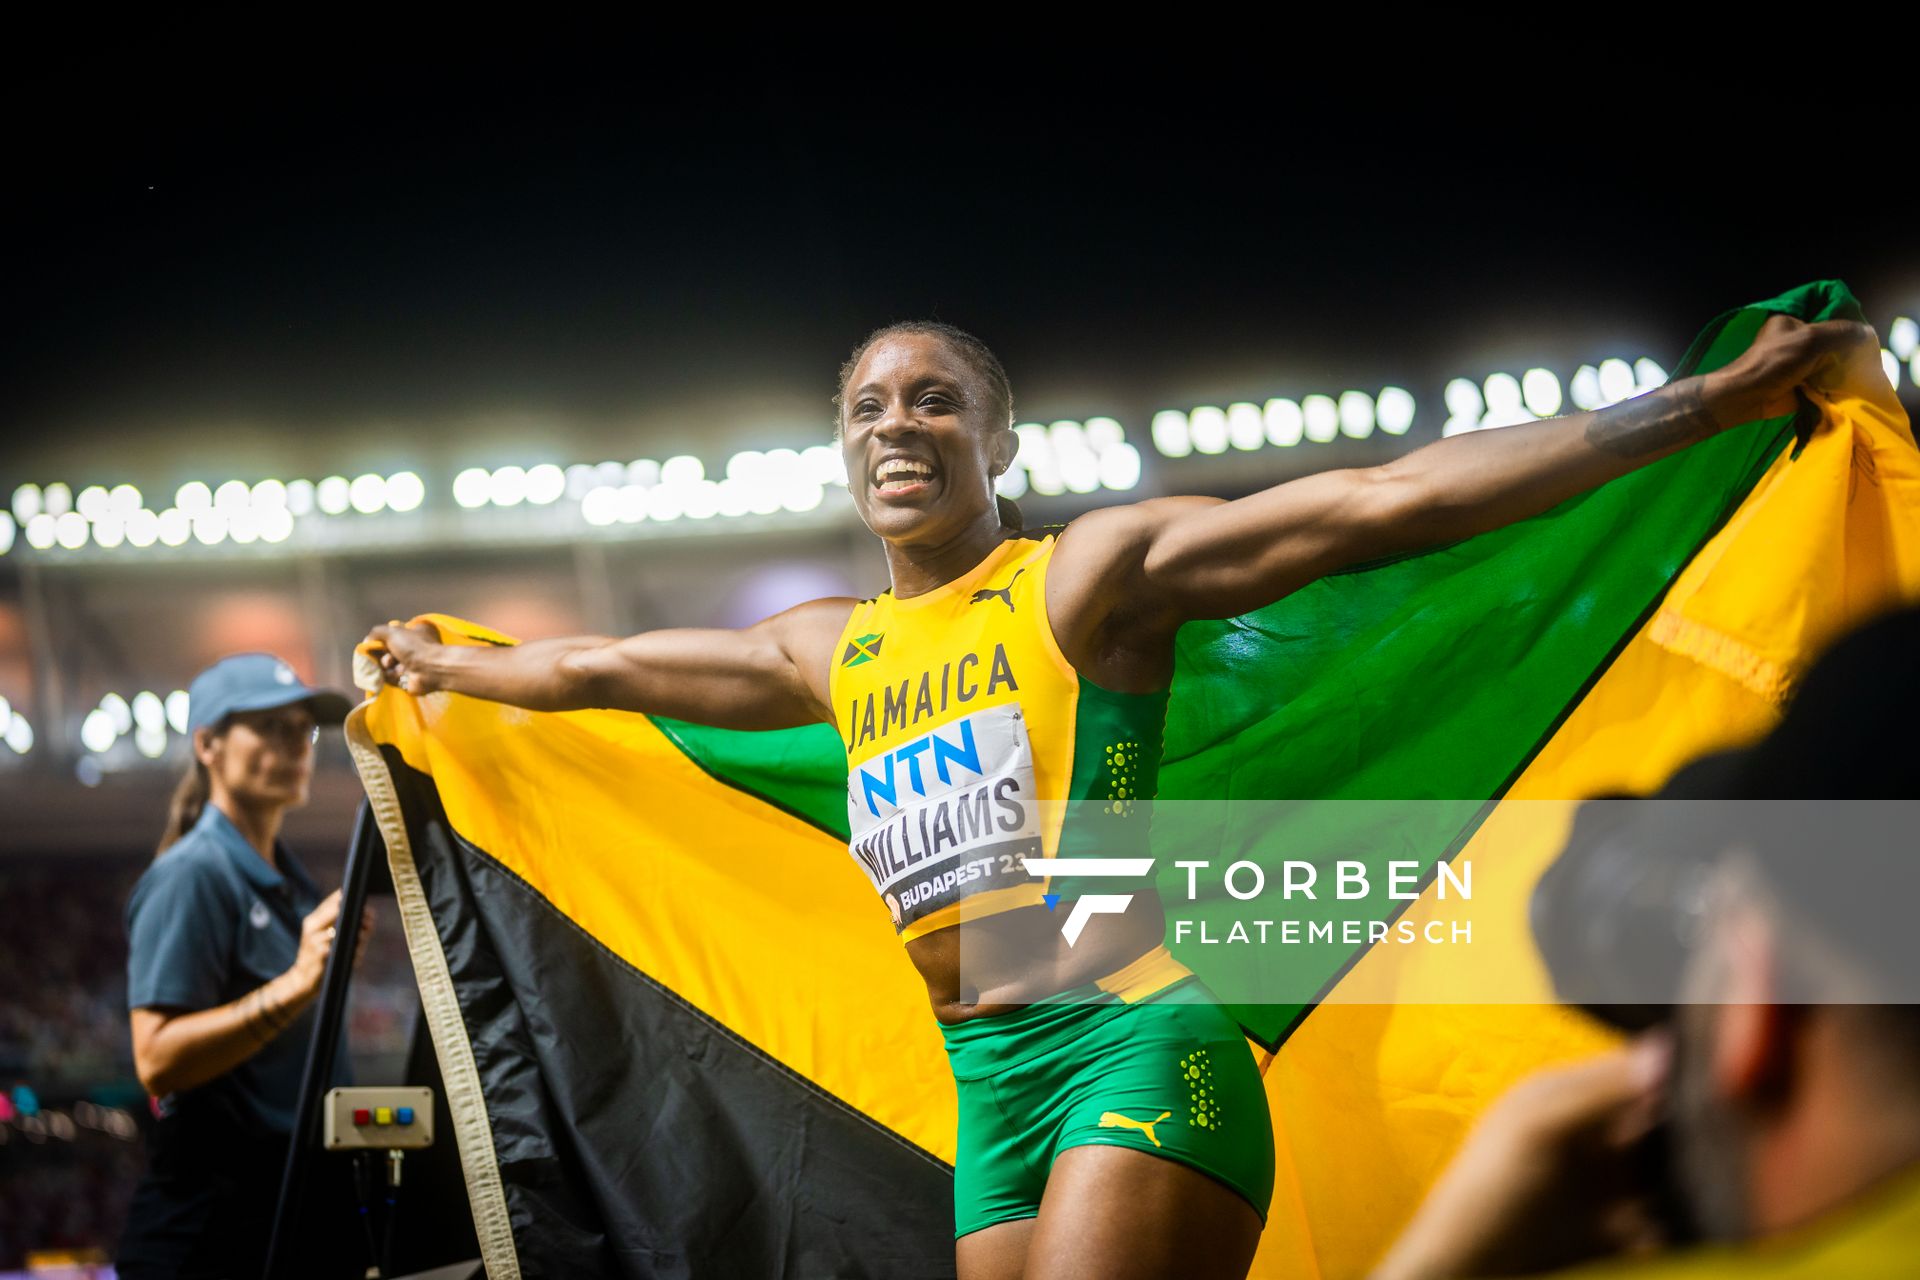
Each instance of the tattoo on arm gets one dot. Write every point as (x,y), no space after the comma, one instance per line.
(1653,423)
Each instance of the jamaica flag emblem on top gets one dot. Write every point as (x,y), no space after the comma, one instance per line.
(861,649)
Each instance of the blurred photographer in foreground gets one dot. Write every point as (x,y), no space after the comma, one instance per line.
(1764,1120)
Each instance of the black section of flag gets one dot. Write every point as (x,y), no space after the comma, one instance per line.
(637,1136)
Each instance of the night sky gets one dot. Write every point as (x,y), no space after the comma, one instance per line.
(300,266)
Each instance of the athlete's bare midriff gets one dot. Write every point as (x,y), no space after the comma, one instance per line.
(1004,962)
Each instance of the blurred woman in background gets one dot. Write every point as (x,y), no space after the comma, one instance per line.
(228,941)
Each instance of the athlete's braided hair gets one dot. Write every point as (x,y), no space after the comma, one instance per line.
(986,366)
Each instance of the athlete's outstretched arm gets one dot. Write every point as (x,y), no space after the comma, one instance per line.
(1210,559)
(771,675)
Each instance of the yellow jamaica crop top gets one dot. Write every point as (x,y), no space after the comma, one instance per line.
(972,743)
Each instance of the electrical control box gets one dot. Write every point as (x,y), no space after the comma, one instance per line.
(399,1118)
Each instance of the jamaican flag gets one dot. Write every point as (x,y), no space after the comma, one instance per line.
(677,1032)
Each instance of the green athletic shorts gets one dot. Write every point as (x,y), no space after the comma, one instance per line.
(1171,1075)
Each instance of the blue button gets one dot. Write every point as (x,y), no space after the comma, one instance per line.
(404,1115)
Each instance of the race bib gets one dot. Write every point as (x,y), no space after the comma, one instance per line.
(946,815)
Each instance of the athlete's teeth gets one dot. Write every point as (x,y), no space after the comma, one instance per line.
(895,469)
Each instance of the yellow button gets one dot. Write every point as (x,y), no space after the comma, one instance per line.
(383,1115)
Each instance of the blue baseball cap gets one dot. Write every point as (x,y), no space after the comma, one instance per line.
(256,682)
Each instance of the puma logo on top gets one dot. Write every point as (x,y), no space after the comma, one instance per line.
(1005,593)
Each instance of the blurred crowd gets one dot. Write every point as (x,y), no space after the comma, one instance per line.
(66,1173)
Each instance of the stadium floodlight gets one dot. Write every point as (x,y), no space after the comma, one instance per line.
(1286,425)
(1540,390)
(1172,435)
(243,526)
(143,528)
(1245,428)
(1585,388)
(1616,381)
(117,709)
(507,486)
(736,497)
(1465,406)
(109,531)
(1119,466)
(19,735)
(56,499)
(545,484)
(405,491)
(40,531)
(473,487)
(746,465)
(1903,337)
(644,472)
(232,496)
(193,496)
(823,464)
(1103,433)
(26,502)
(683,469)
(176,526)
(210,527)
(763,495)
(266,494)
(1012,483)
(664,502)
(1208,426)
(1505,407)
(124,500)
(798,494)
(1890,365)
(1394,409)
(1066,433)
(150,742)
(1322,417)
(149,711)
(1074,456)
(580,482)
(6,532)
(96,731)
(176,703)
(70,530)
(1043,473)
(601,506)
(333,495)
(300,497)
(368,493)
(1356,414)
(1647,374)
(1913,368)
(6,712)
(785,465)
(1080,471)
(702,500)
(93,502)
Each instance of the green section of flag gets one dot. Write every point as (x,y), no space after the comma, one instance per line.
(1435,676)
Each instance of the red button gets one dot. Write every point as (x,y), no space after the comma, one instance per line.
(362,1116)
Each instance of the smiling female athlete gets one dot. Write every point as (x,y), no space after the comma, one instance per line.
(1112,1120)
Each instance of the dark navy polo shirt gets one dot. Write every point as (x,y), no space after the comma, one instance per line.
(208,922)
